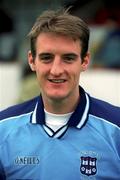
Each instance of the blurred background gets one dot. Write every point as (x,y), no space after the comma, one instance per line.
(17,82)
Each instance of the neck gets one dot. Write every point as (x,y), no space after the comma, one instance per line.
(60,106)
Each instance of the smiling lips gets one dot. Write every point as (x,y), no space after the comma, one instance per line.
(57,80)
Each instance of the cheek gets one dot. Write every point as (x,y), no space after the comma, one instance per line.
(41,73)
(76,71)
(77,76)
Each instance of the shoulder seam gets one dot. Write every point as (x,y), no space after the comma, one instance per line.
(105,120)
(14,117)
(7,119)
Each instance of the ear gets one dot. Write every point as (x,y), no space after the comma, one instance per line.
(86,61)
(31,61)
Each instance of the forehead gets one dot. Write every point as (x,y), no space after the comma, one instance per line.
(57,42)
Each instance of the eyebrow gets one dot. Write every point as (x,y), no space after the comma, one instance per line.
(44,54)
(41,55)
(73,55)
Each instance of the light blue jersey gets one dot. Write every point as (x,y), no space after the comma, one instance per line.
(87,148)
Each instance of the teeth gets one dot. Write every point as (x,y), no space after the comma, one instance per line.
(57,80)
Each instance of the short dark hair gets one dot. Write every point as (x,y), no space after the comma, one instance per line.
(63,23)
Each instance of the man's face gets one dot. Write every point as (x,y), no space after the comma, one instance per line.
(58,66)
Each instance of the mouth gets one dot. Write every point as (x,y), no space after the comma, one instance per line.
(57,80)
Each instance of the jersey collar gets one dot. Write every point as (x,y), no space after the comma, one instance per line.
(77,119)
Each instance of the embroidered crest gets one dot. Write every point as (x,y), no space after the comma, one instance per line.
(88,165)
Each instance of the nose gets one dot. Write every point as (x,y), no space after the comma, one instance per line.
(57,67)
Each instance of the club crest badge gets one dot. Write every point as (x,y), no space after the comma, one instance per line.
(88,165)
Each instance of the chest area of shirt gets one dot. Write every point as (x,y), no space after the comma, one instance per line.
(81,154)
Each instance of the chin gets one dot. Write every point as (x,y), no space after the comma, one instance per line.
(57,97)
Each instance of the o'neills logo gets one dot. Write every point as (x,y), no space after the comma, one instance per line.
(27,160)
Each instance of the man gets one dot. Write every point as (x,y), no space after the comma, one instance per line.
(64,133)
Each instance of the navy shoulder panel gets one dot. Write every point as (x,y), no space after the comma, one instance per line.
(105,110)
(19,109)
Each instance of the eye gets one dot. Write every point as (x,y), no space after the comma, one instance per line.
(46,57)
(69,58)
